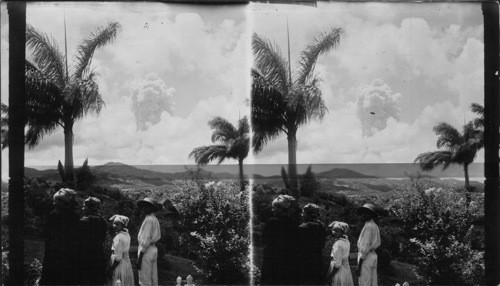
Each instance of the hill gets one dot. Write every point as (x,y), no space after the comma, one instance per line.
(341,173)
(335,179)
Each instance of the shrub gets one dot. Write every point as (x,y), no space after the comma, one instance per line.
(216,218)
(437,225)
(308,183)
(84,177)
(32,272)
(5,267)
(263,195)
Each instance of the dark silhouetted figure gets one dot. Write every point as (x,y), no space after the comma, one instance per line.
(312,237)
(92,234)
(60,233)
(280,238)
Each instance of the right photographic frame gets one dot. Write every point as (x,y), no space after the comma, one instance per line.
(368,135)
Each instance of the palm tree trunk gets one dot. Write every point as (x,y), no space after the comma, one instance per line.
(467,185)
(68,154)
(466,173)
(17,104)
(292,164)
(242,177)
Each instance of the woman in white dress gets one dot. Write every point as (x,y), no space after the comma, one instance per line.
(340,272)
(120,266)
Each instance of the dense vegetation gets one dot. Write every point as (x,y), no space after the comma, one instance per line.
(202,222)
(430,230)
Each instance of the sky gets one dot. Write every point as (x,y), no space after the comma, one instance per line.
(174,67)
(413,65)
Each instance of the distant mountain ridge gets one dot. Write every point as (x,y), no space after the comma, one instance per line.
(120,171)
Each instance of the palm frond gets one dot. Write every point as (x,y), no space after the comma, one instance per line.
(205,154)
(321,44)
(307,103)
(239,148)
(270,63)
(243,126)
(477,108)
(43,104)
(430,160)
(46,55)
(85,51)
(223,130)
(268,112)
(472,138)
(448,136)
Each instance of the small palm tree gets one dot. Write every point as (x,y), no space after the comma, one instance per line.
(459,148)
(67,96)
(233,143)
(281,102)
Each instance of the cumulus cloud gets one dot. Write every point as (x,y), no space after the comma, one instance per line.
(150,98)
(376,103)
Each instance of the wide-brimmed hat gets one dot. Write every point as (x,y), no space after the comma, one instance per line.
(369,208)
(149,202)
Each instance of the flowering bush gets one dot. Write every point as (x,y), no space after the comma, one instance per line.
(216,218)
(437,224)
(32,273)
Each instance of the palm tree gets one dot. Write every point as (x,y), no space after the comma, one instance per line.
(459,148)
(281,102)
(232,143)
(72,95)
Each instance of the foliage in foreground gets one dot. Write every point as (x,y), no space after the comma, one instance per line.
(438,224)
(217,220)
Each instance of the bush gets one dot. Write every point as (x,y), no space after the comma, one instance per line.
(437,224)
(216,218)
(308,183)
(263,195)
(32,272)
(84,177)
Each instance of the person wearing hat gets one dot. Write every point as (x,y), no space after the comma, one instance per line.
(339,273)
(279,238)
(61,237)
(92,234)
(149,234)
(310,244)
(120,266)
(368,242)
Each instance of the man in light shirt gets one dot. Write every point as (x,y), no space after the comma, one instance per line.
(149,234)
(368,242)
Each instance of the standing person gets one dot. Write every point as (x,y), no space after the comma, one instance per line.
(279,237)
(148,235)
(339,273)
(120,266)
(60,233)
(312,236)
(92,234)
(368,242)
